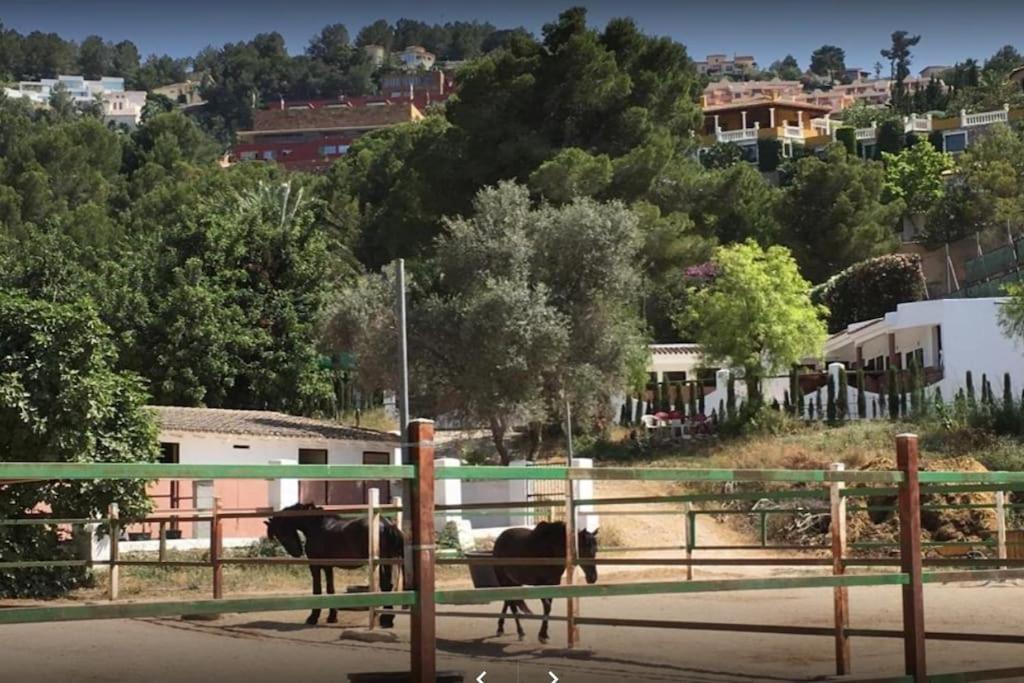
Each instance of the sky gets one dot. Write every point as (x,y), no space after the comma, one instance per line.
(951,30)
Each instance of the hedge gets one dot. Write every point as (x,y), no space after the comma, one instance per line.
(870,289)
(848,136)
(768,154)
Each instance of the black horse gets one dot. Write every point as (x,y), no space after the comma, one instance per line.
(546,540)
(328,538)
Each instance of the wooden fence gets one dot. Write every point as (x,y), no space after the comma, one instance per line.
(836,485)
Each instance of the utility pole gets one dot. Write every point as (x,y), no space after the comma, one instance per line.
(403,406)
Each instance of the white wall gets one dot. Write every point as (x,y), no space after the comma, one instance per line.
(220,449)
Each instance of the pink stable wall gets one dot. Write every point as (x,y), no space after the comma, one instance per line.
(234,494)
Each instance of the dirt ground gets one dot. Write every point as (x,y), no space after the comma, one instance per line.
(278,646)
(275,647)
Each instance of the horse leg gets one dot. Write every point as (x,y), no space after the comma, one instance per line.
(501,619)
(386,585)
(544,625)
(314,616)
(332,616)
(515,614)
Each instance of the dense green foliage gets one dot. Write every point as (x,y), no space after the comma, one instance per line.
(756,313)
(870,289)
(61,400)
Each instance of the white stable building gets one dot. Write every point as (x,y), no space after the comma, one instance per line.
(947,337)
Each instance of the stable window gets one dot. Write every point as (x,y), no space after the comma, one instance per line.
(954,143)
(268,154)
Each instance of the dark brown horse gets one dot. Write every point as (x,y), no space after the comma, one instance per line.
(546,540)
(325,537)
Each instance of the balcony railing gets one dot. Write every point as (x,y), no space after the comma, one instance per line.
(826,126)
(985,118)
(792,132)
(917,124)
(736,136)
(864,134)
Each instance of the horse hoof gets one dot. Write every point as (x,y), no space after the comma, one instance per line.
(311,621)
(543,640)
(500,632)
(522,636)
(332,619)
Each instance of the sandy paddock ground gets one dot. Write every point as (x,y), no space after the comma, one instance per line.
(275,647)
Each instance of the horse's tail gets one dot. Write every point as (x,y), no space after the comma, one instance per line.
(521,606)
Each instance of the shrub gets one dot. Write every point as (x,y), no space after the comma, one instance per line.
(847,135)
(721,155)
(890,137)
(870,289)
(768,154)
(448,537)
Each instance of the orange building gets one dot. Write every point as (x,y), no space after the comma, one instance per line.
(763,113)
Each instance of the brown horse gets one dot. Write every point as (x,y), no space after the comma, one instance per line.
(325,537)
(546,540)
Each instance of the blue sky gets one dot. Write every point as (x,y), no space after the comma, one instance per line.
(951,30)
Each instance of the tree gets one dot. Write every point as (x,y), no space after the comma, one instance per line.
(62,401)
(1005,60)
(787,68)
(986,191)
(95,57)
(125,62)
(832,214)
(916,176)
(572,173)
(756,314)
(331,46)
(234,294)
(829,61)
(898,55)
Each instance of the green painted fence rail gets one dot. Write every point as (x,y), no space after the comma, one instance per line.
(491,473)
(135,610)
(597,590)
(68,471)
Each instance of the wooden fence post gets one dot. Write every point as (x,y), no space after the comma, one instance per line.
(571,605)
(688,538)
(420,438)
(910,558)
(373,543)
(840,594)
(115,530)
(1001,524)
(162,552)
(216,546)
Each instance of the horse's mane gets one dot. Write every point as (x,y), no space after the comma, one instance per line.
(301,506)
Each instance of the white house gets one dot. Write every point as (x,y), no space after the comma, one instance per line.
(416,57)
(120,106)
(948,338)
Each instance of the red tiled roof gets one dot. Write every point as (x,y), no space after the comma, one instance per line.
(332,118)
(675,349)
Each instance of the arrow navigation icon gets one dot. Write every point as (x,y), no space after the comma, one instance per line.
(554,678)
(480,678)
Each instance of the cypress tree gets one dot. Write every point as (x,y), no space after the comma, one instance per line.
(693,388)
(721,409)
(775,405)
(786,405)
(626,414)
(1007,393)
(903,397)
(971,403)
(800,399)
(639,410)
(810,409)
(830,408)
(939,403)
(730,397)
(794,383)
(915,406)
(874,408)
(862,399)
(843,400)
(894,394)
(699,389)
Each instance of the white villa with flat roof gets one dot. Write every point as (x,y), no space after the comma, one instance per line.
(948,337)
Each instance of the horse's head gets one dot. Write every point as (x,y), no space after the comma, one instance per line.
(285,530)
(587,544)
